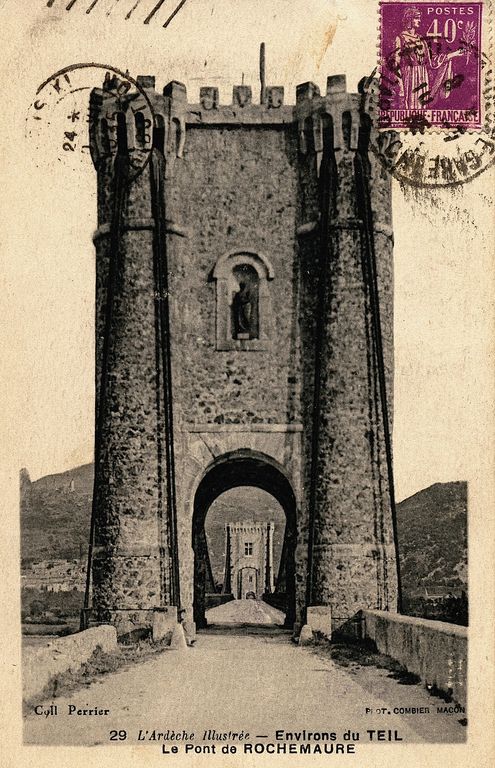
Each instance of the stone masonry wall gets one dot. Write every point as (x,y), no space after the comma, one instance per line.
(236,188)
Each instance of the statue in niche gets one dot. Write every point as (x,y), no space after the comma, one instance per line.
(245,311)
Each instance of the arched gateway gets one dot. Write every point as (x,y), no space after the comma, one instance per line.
(245,468)
(243,336)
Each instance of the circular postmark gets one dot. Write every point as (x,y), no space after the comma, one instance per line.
(61,116)
(424,156)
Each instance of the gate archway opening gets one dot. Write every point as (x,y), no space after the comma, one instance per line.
(235,470)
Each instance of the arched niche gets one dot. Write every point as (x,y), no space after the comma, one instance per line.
(243,308)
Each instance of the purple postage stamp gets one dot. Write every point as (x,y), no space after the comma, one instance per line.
(430,65)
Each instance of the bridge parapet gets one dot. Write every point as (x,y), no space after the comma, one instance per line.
(434,650)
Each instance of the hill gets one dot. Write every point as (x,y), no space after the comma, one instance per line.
(432,533)
(56,514)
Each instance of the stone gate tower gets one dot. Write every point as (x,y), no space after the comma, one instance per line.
(244,337)
(248,559)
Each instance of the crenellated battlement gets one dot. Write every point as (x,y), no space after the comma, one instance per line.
(250,526)
(127,119)
(338,112)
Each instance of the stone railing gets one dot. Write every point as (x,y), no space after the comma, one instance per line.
(433,650)
(62,654)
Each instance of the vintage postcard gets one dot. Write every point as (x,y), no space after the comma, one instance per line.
(248,405)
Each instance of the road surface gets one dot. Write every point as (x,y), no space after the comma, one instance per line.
(247,679)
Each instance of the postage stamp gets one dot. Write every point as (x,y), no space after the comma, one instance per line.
(430,65)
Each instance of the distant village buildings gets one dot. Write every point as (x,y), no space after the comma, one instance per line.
(55,576)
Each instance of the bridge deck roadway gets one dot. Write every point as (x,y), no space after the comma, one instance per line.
(247,678)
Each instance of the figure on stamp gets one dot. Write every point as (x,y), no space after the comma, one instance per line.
(245,303)
(422,75)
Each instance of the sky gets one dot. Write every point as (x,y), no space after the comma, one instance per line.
(443,309)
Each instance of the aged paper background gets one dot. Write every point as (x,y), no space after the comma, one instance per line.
(444,300)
